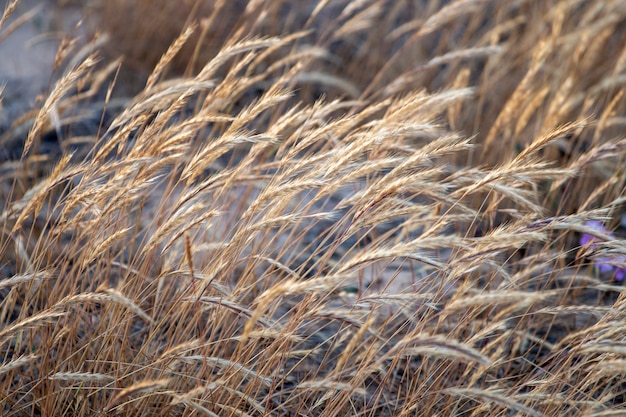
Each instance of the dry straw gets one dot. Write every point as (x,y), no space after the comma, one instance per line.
(338,208)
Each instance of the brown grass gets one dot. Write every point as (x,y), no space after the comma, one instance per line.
(336,208)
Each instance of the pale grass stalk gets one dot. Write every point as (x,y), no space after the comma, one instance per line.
(354,342)
(608,368)
(520,94)
(143,387)
(23,18)
(100,247)
(234,49)
(174,48)
(594,311)
(610,347)
(330,388)
(332,82)
(177,226)
(412,250)
(108,296)
(193,405)
(607,413)
(464,54)
(520,298)
(550,136)
(218,385)
(232,410)
(227,365)
(368,12)
(217,302)
(431,344)
(531,107)
(23,256)
(493,396)
(158,99)
(32,202)
(17,363)
(81,377)
(199,391)
(265,299)
(61,88)
(400,300)
(600,332)
(606,116)
(31,321)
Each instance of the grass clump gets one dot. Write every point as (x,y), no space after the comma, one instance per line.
(340,209)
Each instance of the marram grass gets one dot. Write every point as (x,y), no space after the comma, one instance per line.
(344,209)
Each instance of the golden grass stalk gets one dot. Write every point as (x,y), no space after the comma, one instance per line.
(339,208)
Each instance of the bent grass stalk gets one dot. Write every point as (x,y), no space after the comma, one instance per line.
(303,223)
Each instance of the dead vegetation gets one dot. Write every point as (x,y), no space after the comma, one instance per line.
(350,208)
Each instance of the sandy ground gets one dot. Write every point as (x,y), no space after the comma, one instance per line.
(27,54)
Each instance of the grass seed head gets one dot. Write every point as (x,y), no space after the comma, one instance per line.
(321,208)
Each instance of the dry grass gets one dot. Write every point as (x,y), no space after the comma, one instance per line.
(354,208)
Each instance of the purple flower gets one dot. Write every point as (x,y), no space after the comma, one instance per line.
(586,239)
(615,265)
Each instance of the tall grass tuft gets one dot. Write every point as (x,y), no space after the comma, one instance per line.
(329,208)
